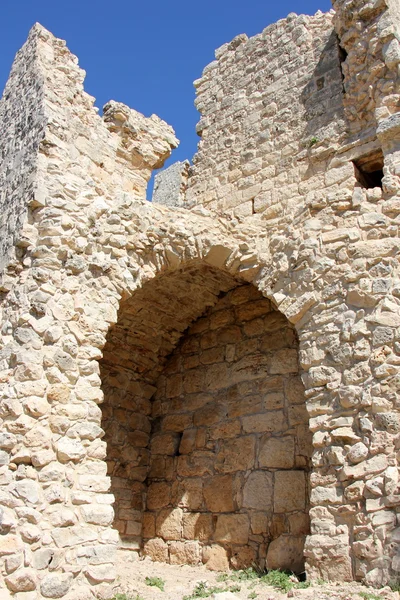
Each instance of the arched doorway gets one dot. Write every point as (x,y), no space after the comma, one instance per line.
(206,425)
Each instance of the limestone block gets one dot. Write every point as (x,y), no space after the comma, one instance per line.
(289,491)
(276,453)
(56,585)
(215,558)
(273,422)
(9,544)
(98,514)
(69,449)
(357,453)
(169,524)
(184,553)
(23,580)
(286,553)
(158,495)
(188,493)
(219,493)
(28,490)
(233,528)
(243,557)
(157,549)
(258,491)
(373,465)
(99,573)
(197,526)
(236,455)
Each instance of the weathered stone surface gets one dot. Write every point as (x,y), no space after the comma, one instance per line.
(232,528)
(177,333)
(56,585)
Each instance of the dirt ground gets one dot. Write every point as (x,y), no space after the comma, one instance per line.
(180,581)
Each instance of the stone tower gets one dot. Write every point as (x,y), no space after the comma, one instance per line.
(213,379)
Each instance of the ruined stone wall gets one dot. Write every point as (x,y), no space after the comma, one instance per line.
(103,272)
(230,446)
(170,185)
(267,103)
(23,124)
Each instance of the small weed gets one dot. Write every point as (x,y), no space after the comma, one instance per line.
(252,596)
(279,580)
(234,588)
(222,577)
(203,591)
(155,582)
(245,575)
(125,597)
(394,586)
(312,142)
(368,596)
(302,585)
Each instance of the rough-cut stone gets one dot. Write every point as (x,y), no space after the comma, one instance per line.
(150,353)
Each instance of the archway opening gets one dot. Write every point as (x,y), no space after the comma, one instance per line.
(206,426)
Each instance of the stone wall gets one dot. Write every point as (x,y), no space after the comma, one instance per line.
(230,444)
(267,104)
(106,284)
(170,185)
(23,126)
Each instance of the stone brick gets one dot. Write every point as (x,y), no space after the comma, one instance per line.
(258,491)
(272,422)
(169,524)
(236,455)
(219,493)
(188,493)
(232,529)
(197,526)
(289,491)
(156,549)
(277,453)
(184,553)
(215,558)
(158,495)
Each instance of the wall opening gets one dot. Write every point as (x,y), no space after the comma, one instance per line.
(206,426)
(369,170)
(342,59)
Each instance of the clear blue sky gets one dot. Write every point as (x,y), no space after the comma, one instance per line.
(145,53)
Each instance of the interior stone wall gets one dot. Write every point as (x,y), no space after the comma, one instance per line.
(149,326)
(230,445)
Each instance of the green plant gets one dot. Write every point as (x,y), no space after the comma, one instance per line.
(312,142)
(234,588)
(394,585)
(369,596)
(155,582)
(279,580)
(202,590)
(252,595)
(223,577)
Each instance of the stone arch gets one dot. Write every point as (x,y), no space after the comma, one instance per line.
(205,422)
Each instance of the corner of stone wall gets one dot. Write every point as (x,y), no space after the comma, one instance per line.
(170,185)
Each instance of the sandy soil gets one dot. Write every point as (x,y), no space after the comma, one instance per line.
(181,580)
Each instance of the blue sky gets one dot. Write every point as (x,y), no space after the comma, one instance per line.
(144,53)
